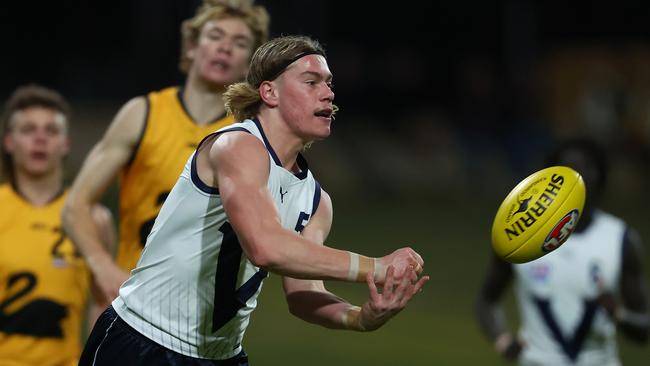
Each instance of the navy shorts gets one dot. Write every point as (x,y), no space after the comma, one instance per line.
(113,342)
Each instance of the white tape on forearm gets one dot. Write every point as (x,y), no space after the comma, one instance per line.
(377,271)
(350,318)
(353,272)
(344,318)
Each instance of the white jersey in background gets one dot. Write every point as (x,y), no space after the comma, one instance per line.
(193,289)
(561,321)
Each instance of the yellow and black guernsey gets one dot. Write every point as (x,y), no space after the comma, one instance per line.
(43,284)
(169,137)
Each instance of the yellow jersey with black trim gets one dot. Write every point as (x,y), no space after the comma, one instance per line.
(44,284)
(169,137)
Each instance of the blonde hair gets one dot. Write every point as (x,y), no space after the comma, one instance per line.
(243,100)
(23,98)
(255,16)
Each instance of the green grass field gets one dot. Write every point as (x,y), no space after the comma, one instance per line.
(438,327)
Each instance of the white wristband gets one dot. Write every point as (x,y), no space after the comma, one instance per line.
(378,271)
(350,318)
(353,272)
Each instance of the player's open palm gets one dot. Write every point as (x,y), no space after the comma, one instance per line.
(396,293)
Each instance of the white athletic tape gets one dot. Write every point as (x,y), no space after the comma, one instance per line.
(378,270)
(353,272)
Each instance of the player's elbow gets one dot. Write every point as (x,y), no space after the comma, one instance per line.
(259,258)
(264,254)
(73,208)
(68,212)
(260,254)
(294,308)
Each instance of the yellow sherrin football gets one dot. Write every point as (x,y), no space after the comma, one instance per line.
(538,215)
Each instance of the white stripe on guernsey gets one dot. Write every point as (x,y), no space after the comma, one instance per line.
(103,339)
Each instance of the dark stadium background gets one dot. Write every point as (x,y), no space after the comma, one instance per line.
(444,107)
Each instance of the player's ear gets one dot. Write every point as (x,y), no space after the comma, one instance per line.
(269,93)
(191,45)
(191,51)
(8,144)
(66,146)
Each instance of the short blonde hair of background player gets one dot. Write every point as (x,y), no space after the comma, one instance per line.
(243,100)
(255,16)
(25,97)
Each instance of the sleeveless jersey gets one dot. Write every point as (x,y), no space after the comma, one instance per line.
(170,135)
(193,289)
(43,285)
(561,321)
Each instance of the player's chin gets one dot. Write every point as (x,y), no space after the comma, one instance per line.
(324,128)
(38,171)
(220,78)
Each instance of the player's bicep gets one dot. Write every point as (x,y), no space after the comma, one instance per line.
(112,152)
(240,165)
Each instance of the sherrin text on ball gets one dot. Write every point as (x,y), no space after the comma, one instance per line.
(538,215)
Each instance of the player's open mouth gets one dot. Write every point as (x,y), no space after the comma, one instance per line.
(220,64)
(38,155)
(327,113)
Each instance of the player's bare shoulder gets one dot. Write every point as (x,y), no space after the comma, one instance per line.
(129,122)
(230,155)
(236,149)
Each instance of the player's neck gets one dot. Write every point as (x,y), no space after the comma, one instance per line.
(284,142)
(41,190)
(203,102)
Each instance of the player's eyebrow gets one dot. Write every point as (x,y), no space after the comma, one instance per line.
(222,32)
(327,77)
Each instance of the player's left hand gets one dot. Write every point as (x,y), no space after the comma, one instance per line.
(396,293)
(607,301)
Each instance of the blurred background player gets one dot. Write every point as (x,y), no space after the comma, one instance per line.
(571,302)
(44,282)
(151,137)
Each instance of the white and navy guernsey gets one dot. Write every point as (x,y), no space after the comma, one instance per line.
(193,289)
(562,323)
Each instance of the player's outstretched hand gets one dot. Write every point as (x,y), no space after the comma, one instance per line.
(509,346)
(401,260)
(396,293)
